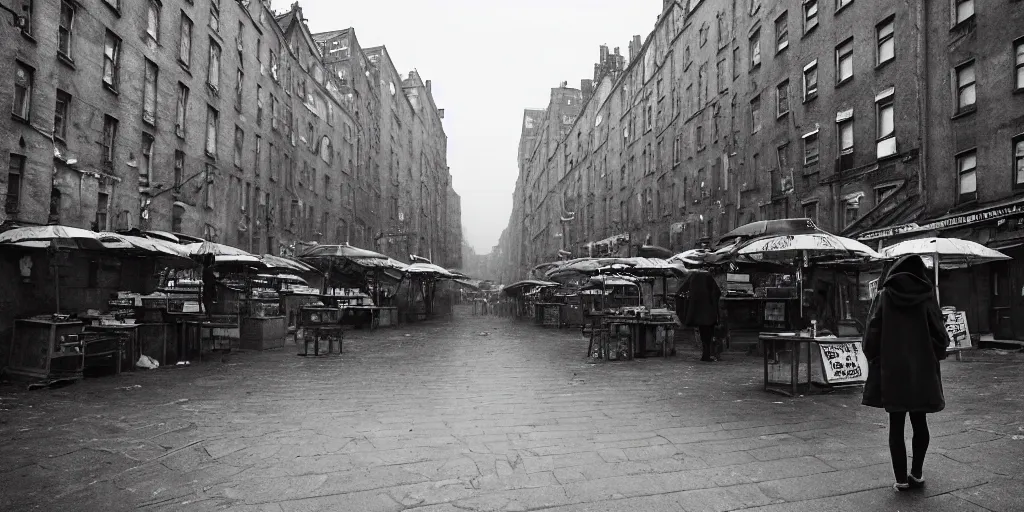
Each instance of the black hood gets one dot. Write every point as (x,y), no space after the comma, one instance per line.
(908,282)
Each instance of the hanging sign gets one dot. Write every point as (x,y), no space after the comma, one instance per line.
(843,363)
(956,328)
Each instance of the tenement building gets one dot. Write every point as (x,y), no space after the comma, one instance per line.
(218,119)
(878,120)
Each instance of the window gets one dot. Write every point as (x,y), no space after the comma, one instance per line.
(212,117)
(884,192)
(15,175)
(723,84)
(102,200)
(967,167)
(755,114)
(65,29)
(885,33)
(851,210)
(782,99)
(735,65)
(1018,51)
(273,112)
(149,93)
(810,211)
(177,214)
(886,127)
(844,131)
(146,162)
(259,155)
(844,61)
(810,15)
(755,49)
(179,168)
(963,10)
(259,105)
(24,79)
(811,81)
(111,60)
(840,4)
(208,186)
(239,141)
(109,138)
(185,42)
(965,88)
(1018,161)
(153,20)
(239,80)
(782,32)
(811,148)
(182,109)
(782,156)
(213,68)
(26,9)
(60,115)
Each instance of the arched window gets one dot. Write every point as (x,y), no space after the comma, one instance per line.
(326,150)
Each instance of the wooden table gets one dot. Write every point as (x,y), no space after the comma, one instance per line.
(129,333)
(46,349)
(638,328)
(796,342)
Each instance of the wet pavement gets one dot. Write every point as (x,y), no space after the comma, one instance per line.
(485,414)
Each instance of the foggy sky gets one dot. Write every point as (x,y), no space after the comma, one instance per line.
(487,60)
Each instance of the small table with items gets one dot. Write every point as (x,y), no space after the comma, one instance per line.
(842,361)
(641,330)
(322,333)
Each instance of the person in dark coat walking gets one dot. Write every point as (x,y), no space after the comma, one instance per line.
(697,306)
(904,341)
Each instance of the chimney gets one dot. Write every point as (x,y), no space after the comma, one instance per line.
(587,87)
(427,84)
(616,50)
(604,53)
(440,113)
(564,84)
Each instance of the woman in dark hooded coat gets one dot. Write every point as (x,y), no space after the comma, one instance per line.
(697,306)
(904,341)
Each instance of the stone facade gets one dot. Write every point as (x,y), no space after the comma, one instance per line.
(211,118)
(729,112)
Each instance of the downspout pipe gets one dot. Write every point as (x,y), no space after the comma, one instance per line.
(922,94)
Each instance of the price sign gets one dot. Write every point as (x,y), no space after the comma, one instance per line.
(956,328)
(843,363)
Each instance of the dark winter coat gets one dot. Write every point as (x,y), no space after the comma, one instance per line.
(904,341)
(697,299)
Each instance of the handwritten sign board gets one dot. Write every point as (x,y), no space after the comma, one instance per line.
(956,328)
(843,363)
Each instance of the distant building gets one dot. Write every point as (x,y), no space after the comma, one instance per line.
(875,119)
(221,120)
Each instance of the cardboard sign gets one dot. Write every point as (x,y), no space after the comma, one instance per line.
(843,363)
(956,328)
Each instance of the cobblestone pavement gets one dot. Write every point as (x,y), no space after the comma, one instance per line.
(439,417)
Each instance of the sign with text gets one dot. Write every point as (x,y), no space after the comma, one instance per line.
(956,328)
(843,363)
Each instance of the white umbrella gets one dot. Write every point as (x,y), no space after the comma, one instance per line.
(816,243)
(41,237)
(949,252)
(222,253)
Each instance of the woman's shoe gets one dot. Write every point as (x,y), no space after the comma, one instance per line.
(915,481)
(901,487)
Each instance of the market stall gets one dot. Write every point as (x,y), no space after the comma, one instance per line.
(950,254)
(804,255)
(361,283)
(91,284)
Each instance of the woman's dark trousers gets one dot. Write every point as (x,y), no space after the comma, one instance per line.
(898,448)
(707,337)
